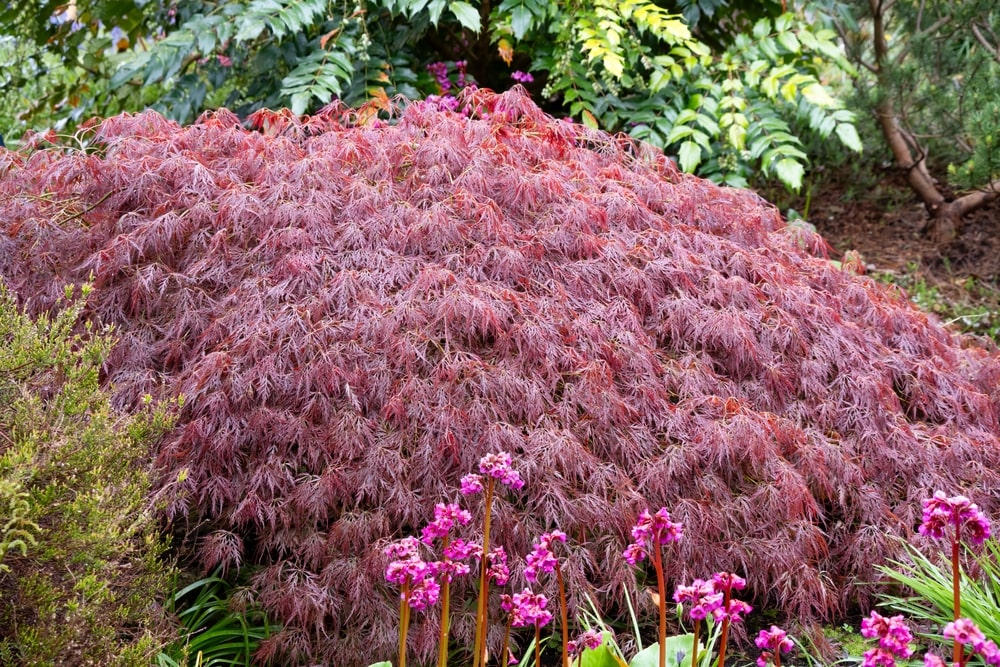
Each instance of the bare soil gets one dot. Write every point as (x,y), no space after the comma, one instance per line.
(879,216)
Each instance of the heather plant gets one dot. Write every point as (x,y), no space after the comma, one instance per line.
(80,554)
(357,309)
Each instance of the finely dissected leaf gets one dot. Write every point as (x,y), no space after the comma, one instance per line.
(357,311)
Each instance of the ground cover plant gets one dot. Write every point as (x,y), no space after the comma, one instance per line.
(358,308)
(81,573)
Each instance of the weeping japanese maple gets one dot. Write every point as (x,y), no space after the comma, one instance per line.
(357,310)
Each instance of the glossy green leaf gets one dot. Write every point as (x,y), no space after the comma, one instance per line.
(466,14)
(520,21)
(848,134)
(689,156)
(790,172)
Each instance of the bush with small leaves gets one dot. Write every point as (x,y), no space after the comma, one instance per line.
(358,310)
(81,577)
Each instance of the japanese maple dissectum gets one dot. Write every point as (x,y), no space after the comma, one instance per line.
(358,311)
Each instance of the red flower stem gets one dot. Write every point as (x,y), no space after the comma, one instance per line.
(694,647)
(445,611)
(564,616)
(538,646)
(479,645)
(404,622)
(505,651)
(724,637)
(956,596)
(777,657)
(661,588)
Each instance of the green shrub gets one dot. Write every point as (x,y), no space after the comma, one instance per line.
(81,560)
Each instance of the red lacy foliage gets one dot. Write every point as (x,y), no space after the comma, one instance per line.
(357,312)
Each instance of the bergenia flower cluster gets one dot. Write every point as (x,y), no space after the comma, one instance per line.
(542,558)
(967,633)
(497,466)
(772,643)
(958,513)
(651,530)
(526,609)
(700,597)
(417,577)
(496,564)
(522,77)
(589,639)
(445,518)
(894,638)
(731,609)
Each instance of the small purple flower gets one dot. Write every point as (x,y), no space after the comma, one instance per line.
(527,609)
(461,550)
(498,466)
(541,558)
(728,581)
(651,530)
(958,512)
(445,518)
(472,484)
(522,77)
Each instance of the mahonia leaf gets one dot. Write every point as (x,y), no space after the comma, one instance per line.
(466,14)
(790,172)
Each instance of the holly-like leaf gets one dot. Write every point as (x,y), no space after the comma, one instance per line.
(848,135)
(689,156)
(790,172)
(466,14)
(520,21)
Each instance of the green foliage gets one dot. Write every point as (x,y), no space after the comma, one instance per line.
(723,104)
(930,581)
(971,305)
(940,76)
(81,555)
(215,630)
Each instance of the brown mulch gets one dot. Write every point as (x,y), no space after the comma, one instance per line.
(883,220)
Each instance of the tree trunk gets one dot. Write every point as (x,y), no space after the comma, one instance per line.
(944,217)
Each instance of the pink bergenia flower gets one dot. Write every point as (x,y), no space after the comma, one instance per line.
(496,562)
(590,639)
(651,530)
(527,609)
(957,512)
(413,574)
(931,660)
(878,657)
(471,484)
(541,558)
(731,609)
(498,466)
(892,633)
(701,596)
(770,642)
(966,632)
(522,77)
(445,518)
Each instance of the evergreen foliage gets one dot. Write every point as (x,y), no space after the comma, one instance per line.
(80,576)
(356,311)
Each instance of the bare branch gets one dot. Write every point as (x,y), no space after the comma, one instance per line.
(994,51)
